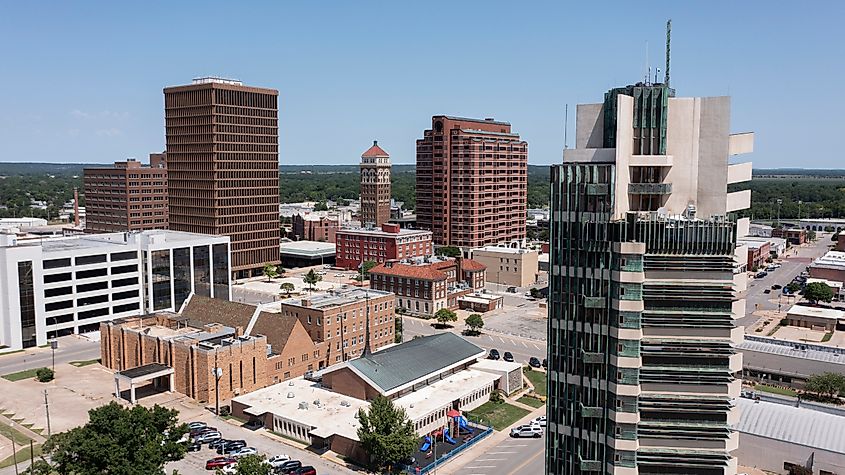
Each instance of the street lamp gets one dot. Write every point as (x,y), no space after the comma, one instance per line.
(54,344)
(779,202)
(217,373)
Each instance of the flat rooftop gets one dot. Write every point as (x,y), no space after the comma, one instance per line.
(441,393)
(793,349)
(817,312)
(307,248)
(752,244)
(128,240)
(404,232)
(334,298)
(503,250)
(834,259)
(797,425)
(829,283)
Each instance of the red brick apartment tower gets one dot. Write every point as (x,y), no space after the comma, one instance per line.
(223,152)
(126,196)
(375,186)
(472,182)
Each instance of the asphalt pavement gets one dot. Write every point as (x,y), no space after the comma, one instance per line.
(71,348)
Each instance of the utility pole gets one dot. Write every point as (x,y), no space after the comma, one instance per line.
(217,373)
(14,455)
(54,344)
(47,409)
(799,213)
(780,201)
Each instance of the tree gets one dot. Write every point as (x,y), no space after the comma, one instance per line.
(449,251)
(44,375)
(287,288)
(475,323)
(270,271)
(252,465)
(811,235)
(397,330)
(818,292)
(444,316)
(826,384)
(366,266)
(118,440)
(535,293)
(386,433)
(321,206)
(799,470)
(312,278)
(793,287)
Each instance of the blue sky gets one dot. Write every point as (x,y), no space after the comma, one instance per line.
(82,81)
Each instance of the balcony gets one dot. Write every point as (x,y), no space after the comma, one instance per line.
(592,411)
(592,357)
(650,188)
(597,188)
(589,465)
(594,302)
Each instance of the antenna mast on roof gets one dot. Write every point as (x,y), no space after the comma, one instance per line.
(668,50)
(566,126)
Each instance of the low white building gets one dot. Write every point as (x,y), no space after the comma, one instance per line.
(22,223)
(66,285)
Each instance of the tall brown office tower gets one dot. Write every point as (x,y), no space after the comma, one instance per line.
(223,166)
(472,182)
(375,185)
(126,196)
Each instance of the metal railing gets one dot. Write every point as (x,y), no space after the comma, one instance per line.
(448,455)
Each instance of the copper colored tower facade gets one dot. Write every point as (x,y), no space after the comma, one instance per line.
(126,196)
(223,166)
(375,185)
(472,182)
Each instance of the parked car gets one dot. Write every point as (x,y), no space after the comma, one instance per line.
(254,424)
(540,421)
(217,443)
(534,362)
(207,437)
(508,356)
(289,467)
(528,430)
(767,291)
(244,451)
(306,470)
(761,274)
(230,469)
(231,446)
(493,355)
(219,462)
(196,425)
(545,363)
(512,290)
(194,447)
(776,287)
(278,460)
(200,430)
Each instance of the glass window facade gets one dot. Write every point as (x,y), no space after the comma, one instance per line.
(181,276)
(202,271)
(161,280)
(27,303)
(221,271)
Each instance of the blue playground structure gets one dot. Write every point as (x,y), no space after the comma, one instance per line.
(463,426)
(426,444)
(447,438)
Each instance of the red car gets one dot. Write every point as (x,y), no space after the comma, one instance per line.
(219,462)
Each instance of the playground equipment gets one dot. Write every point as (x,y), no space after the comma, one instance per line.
(426,444)
(447,438)
(463,426)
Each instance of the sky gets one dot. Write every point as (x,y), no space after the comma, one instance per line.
(81,82)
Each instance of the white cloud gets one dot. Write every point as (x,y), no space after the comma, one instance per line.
(80,114)
(110,132)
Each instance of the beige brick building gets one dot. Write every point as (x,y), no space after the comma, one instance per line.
(507,265)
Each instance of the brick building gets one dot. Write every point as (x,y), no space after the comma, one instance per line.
(472,182)
(758,252)
(358,245)
(794,236)
(424,286)
(127,196)
(223,166)
(314,227)
(337,320)
(375,185)
(236,335)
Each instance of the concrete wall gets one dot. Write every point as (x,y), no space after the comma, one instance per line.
(509,268)
(769,454)
(345,381)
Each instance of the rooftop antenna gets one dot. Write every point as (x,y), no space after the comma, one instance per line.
(566,126)
(647,66)
(668,51)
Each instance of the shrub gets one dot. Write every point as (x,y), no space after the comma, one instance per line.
(44,375)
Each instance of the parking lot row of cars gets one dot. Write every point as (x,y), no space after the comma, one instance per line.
(229,451)
(508,356)
(533,429)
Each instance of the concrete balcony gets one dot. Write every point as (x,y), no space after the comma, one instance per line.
(650,160)
(735,362)
(617,470)
(741,143)
(589,155)
(624,389)
(625,417)
(628,277)
(626,333)
(650,188)
(621,444)
(626,362)
(628,305)
(738,200)
(739,172)
(629,247)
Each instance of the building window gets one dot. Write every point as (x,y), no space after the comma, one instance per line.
(26,294)
(161,279)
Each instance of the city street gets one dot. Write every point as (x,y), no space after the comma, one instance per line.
(71,348)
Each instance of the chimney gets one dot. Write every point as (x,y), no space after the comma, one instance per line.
(375,142)
(76,207)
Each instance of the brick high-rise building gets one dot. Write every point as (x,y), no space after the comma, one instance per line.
(375,185)
(127,196)
(223,154)
(472,182)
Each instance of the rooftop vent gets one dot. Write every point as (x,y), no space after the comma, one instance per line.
(303,405)
(345,403)
(291,396)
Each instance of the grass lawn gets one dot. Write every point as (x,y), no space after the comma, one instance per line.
(13,434)
(26,374)
(531,401)
(776,390)
(20,456)
(500,416)
(80,364)
(538,380)
(827,336)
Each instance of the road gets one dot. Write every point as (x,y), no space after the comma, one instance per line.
(510,457)
(522,348)
(791,266)
(71,348)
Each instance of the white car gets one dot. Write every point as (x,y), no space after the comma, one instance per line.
(540,421)
(529,430)
(196,425)
(230,469)
(244,451)
(340,275)
(278,460)
(207,437)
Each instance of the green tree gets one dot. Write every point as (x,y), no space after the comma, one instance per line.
(826,384)
(444,316)
(475,323)
(449,251)
(397,330)
(252,465)
(535,293)
(793,287)
(119,441)
(811,235)
(270,271)
(321,206)
(799,470)
(386,433)
(818,292)
(44,375)
(287,288)
(311,278)
(366,266)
